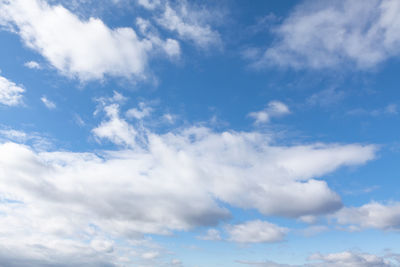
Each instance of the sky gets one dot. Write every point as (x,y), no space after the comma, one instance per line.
(199,133)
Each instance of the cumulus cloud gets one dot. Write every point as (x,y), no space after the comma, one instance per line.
(116,129)
(256,232)
(48,103)
(372,215)
(86,49)
(342,32)
(10,93)
(273,109)
(163,182)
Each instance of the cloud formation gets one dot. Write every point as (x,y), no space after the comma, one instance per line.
(372,215)
(10,93)
(342,32)
(273,109)
(256,232)
(85,49)
(341,259)
(158,183)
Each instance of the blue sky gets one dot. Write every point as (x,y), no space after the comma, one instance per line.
(196,133)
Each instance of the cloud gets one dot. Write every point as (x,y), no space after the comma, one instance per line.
(48,103)
(211,235)
(32,65)
(372,215)
(326,97)
(149,4)
(140,113)
(14,135)
(328,35)
(256,232)
(10,93)
(190,23)
(273,109)
(341,259)
(350,259)
(390,109)
(85,49)
(93,205)
(116,129)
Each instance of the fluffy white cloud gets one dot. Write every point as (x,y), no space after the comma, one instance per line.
(65,203)
(190,24)
(372,215)
(116,129)
(273,109)
(324,35)
(10,93)
(256,232)
(48,103)
(86,49)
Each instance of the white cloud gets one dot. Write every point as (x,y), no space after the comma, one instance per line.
(10,93)
(313,230)
(372,215)
(149,4)
(273,109)
(350,259)
(256,232)
(86,49)
(116,129)
(149,255)
(345,32)
(48,103)
(189,23)
(211,235)
(341,259)
(140,113)
(66,203)
(32,65)
(14,135)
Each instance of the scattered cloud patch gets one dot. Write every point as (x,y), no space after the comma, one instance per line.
(211,235)
(139,113)
(273,109)
(190,23)
(341,259)
(328,35)
(116,129)
(10,93)
(32,65)
(48,103)
(390,109)
(372,215)
(256,232)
